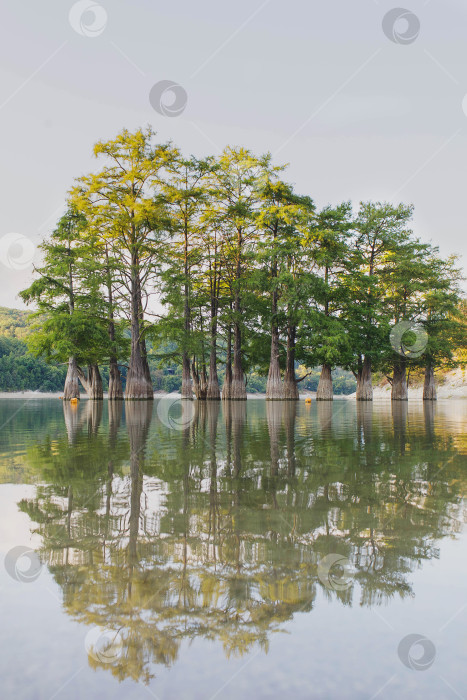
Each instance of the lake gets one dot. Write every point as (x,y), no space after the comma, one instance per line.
(259,549)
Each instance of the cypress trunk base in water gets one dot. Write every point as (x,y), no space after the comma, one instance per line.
(238,390)
(290,390)
(429,387)
(364,386)
(200,383)
(92,383)
(187,384)
(290,383)
(325,391)
(187,389)
(274,387)
(115,392)
(95,380)
(227,386)
(138,382)
(213,392)
(138,389)
(399,382)
(71,388)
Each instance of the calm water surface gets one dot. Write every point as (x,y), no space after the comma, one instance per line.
(266,550)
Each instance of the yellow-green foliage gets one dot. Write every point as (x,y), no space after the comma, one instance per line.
(14,323)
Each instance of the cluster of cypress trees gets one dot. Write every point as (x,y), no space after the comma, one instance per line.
(221,261)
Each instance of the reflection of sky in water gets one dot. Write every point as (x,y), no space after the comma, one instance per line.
(338,648)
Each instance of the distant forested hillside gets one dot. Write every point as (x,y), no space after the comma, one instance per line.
(19,370)
(14,323)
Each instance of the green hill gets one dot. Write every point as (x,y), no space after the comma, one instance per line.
(19,370)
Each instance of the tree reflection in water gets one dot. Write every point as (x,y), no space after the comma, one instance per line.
(216,530)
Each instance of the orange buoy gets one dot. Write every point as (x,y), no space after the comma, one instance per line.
(73,400)
(308,399)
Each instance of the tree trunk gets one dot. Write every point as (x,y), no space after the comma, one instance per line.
(97,392)
(200,384)
(364,386)
(325,391)
(138,382)
(203,383)
(290,383)
(187,383)
(274,386)
(213,392)
(227,386)
(399,381)
(115,392)
(92,383)
(71,389)
(115,381)
(238,390)
(429,387)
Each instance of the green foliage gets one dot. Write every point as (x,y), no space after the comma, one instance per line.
(234,256)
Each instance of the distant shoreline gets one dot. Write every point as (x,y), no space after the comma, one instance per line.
(380,394)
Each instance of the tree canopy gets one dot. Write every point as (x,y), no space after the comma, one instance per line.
(220,267)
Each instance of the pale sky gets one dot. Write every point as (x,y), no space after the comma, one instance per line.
(319,84)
